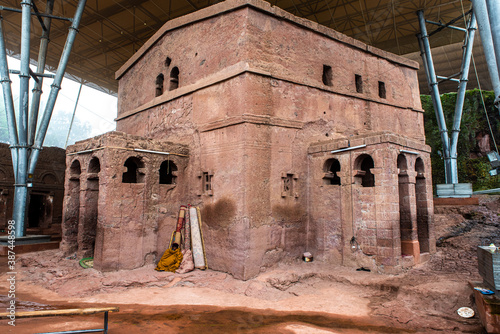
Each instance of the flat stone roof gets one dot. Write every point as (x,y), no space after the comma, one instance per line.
(263,6)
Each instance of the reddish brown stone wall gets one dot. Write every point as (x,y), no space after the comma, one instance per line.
(46,194)
(193,49)
(373,215)
(257,115)
(132,222)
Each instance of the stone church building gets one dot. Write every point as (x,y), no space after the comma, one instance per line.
(289,136)
(45,201)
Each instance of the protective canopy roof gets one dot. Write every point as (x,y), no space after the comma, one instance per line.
(111,31)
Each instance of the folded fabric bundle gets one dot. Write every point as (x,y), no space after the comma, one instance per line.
(170,261)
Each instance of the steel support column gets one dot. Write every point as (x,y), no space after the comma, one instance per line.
(8,101)
(483,23)
(55,87)
(494,18)
(462,87)
(42,54)
(26,163)
(21,191)
(450,165)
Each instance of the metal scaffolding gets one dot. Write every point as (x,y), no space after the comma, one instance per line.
(26,138)
(450,144)
(485,32)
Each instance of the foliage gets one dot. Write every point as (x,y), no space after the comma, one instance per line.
(473,165)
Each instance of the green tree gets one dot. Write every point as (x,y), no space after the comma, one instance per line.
(473,167)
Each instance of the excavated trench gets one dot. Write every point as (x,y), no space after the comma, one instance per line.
(198,319)
(291,298)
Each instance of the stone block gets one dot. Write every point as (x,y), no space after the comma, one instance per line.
(411,247)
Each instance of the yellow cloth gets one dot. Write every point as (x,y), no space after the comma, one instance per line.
(170,261)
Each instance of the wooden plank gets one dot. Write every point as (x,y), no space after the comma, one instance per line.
(63,312)
(196,240)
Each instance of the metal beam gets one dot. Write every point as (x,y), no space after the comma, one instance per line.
(21,190)
(55,87)
(15,10)
(42,55)
(448,25)
(449,164)
(8,101)
(494,19)
(462,87)
(26,164)
(483,22)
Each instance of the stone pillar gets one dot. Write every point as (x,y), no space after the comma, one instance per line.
(388,245)
(71,208)
(87,226)
(408,216)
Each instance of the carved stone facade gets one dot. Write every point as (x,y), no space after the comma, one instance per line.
(45,203)
(122,193)
(297,138)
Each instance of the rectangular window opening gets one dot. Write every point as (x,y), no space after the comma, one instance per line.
(381,90)
(207,183)
(327,75)
(359,83)
(287,185)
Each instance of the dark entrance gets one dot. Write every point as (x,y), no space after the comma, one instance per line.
(36,210)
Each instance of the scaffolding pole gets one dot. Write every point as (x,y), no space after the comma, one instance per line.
(436,99)
(483,22)
(462,87)
(26,163)
(449,144)
(55,87)
(42,55)
(8,101)
(494,20)
(21,189)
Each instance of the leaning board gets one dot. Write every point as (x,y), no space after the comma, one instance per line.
(196,239)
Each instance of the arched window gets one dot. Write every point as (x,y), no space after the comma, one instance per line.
(419,167)
(49,178)
(94,165)
(133,173)
(368,178)
(402,164)
(174,78)
(159,84)
(167,172)
(363,165)
(75,168)
(331,167)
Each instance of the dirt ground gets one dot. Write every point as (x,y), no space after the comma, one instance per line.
(294,297)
